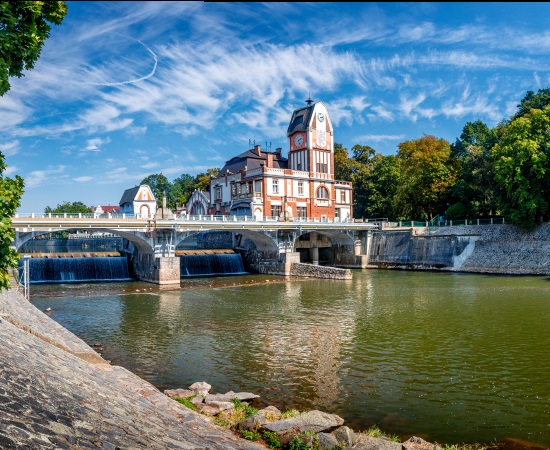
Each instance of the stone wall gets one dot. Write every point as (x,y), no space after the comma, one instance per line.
(498,248)
(163,271)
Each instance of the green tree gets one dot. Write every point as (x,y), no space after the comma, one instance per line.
(182,188)
(342,163)
(11,190)
(69,208)
(521,165)
(475,186)
(540,100)
(160,185)
(384,178)
(427,177)
(203,179)
(24,27)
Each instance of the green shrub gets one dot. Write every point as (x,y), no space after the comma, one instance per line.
(250,435)
(297,444)
(248,410)
(271,439)
(186,402)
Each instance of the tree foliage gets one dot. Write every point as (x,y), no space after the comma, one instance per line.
(475,186)
(11,190)
(427,177)
(521,165)
(69,208)
(540,100)
(160,185)
(24,27)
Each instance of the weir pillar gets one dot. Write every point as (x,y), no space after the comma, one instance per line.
(362,248)
(161,266)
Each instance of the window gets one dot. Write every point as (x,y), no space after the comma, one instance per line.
(322,168)
(275,186)
(343,196)
(233,189)
(218,193)
(300,188)
(322,192)
(275,210)
(301,212)
(258,187)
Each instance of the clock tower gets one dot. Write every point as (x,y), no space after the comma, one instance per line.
(311,144)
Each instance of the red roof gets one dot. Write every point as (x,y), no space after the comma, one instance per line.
(109,208)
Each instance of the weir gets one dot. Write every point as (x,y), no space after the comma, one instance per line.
(77,269)
(210,263)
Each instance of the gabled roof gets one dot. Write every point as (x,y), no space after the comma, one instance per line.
(129,195)
(251,160)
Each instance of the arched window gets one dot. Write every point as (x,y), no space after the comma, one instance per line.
(322,192)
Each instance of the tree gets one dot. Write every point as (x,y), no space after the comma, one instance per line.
(427,177)
(540,100)
(475,186)
(384,178)
(521,165)
(182,188)
(342,163)
(24,27)
(160,185)
(69,208)
(11,190)
(203,179)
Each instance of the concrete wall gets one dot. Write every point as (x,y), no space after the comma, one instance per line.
(165,270)
(498,248)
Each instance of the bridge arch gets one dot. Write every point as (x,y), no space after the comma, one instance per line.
(264,241)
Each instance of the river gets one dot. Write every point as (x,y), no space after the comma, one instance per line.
(455,358)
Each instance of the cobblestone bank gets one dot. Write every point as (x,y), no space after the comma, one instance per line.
(310,270)
(51,397)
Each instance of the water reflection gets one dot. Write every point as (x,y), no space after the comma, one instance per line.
(456,358)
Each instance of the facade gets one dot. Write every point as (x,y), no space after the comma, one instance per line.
(267,184)
(198,203)
(105,211)
(138,200)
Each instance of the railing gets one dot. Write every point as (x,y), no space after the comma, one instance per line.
(432,224)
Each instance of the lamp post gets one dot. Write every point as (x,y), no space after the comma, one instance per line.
(284,206)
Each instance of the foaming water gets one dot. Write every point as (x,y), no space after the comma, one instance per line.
(457,358)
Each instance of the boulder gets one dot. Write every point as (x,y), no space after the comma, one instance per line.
(370,443)
(271,413)
(346,436)
(200,387)
(417,443)
(243,395)
(217,398)
(315,421)
(197,399)
(214,408)
(179,393)
(327,441)
(253,423)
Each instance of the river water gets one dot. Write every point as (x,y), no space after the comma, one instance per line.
(455,358)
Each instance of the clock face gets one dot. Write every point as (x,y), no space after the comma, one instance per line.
(298,140)
(321,117)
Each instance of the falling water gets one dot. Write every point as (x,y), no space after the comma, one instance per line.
(66,270)
(211,264)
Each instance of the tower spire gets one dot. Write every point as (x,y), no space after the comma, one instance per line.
(309,101)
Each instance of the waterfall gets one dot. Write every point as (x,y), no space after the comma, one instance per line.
(67,270)
(211,264)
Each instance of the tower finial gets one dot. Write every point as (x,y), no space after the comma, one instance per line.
(309,101)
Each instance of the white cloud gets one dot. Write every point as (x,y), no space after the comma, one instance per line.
(10,170)
(94,145)
(83,179)
(10,148)
(39,177)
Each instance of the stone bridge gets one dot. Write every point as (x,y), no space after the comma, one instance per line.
(271,245)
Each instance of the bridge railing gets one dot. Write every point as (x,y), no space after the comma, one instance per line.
(187,217)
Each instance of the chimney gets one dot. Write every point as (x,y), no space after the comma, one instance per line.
(269,160)
(278,152)
(257,150)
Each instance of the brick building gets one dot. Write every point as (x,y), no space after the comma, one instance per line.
(267,184)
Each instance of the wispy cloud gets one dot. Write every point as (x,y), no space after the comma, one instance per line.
(38,178)
(10,148)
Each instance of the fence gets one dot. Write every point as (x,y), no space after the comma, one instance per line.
(436,222)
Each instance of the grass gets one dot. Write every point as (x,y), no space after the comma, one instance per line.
(376,432)
(186,402)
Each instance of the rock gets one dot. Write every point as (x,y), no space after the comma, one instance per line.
(286,436)
(327,441)
(217,398)
(179,393)
(198,399)
(370,443)
(252,423)
(214,408)
(200,387)
(244,395)
(346,436)
(271,413)
(315,421)
(417,443)
(48,309)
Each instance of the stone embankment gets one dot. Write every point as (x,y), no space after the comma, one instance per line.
(310,270)
(495,249)
(57,393)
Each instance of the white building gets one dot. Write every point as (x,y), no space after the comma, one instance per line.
(139,201)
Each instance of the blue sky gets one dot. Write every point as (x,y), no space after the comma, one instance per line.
(127,89)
